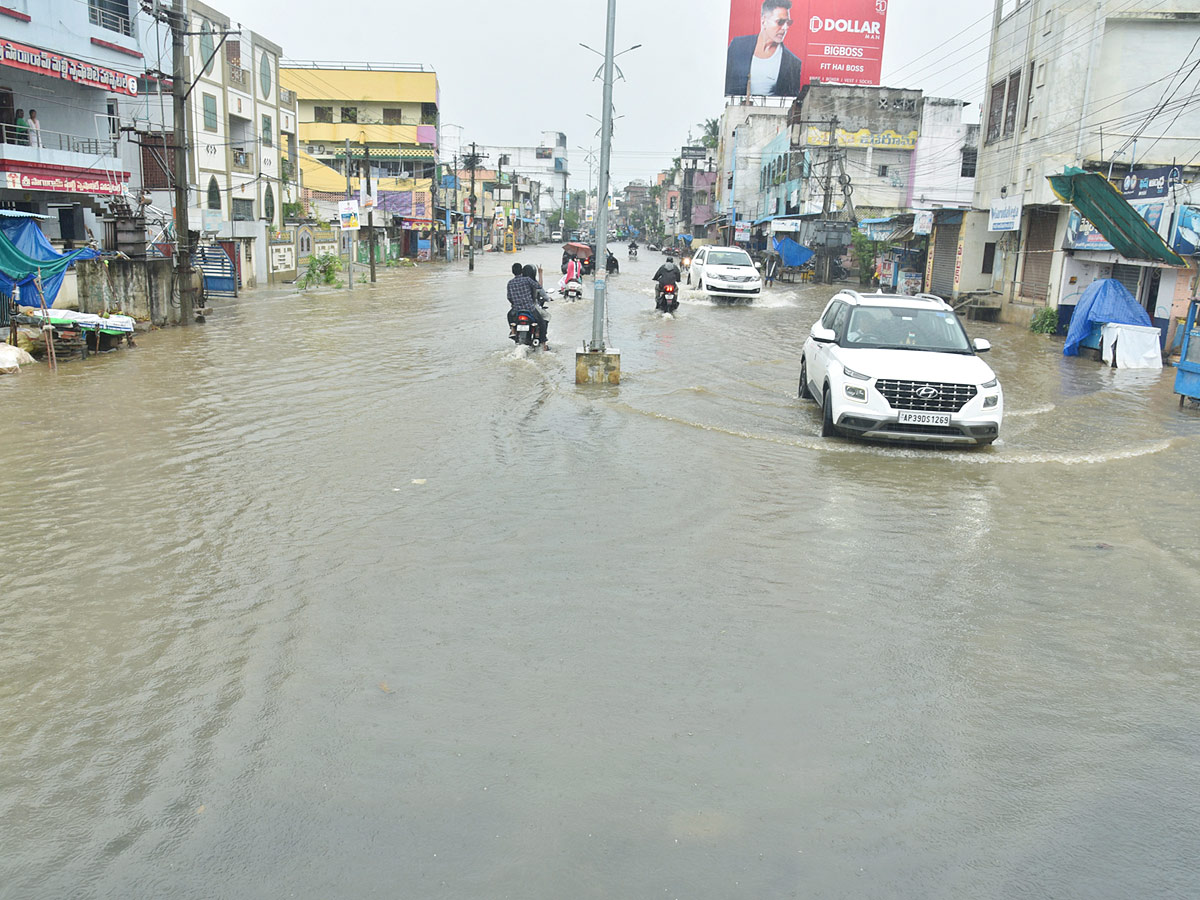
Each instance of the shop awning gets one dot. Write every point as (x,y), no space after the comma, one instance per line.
(1103,206)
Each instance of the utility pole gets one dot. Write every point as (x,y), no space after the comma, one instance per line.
(472,163)
(177,19)
(600,290)
(827,204)
(370,213)
(349,196)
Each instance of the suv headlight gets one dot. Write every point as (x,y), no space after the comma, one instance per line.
(850,373)
(990,384)
(854,392)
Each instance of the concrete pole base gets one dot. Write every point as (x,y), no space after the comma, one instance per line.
(598,366)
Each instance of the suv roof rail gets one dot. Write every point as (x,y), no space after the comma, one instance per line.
(853,293)
(933,297)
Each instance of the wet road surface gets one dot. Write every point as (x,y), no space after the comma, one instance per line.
(339,595)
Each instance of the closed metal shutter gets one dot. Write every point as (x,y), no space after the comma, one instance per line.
(945,251)
(1039,253)
(1128,276)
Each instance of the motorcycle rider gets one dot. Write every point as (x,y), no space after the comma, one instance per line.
(633,247)
(668,273)
(525,295)
(612,265)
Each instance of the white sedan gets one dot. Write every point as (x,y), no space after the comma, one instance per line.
(725,272)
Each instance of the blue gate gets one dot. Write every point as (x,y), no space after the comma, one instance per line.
(220,273)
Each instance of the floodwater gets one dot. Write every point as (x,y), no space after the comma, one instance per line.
(339,595)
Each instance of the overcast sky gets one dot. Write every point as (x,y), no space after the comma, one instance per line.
(510,70)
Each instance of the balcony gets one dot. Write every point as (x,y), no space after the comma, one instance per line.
(287,98)
(330,133)
(243,161)
(58,161)
(113,20)
(238,77)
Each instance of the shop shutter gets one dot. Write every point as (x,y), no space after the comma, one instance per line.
(1039,253)
(945,251)
(1128,276)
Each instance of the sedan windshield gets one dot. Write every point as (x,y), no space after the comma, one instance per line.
(891,327)
(728,258)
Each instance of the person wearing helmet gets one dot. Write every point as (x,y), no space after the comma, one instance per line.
(668,273)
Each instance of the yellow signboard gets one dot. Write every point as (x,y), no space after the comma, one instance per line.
(887,140)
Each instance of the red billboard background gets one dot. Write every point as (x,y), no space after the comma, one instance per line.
(836,40)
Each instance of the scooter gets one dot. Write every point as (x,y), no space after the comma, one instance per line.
(528,330)
(633,252)
(572,290)
(666,298)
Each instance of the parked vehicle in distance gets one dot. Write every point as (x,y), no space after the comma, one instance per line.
(725,272)
(556,236)
(898,368)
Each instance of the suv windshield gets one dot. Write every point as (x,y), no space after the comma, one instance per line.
(906,329)
(728,258)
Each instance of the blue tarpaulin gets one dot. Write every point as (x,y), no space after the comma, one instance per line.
(792,254)
(1104,300)
(24,250)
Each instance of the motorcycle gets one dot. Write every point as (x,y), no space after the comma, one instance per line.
(528,330)
(666,298)
(572,290)
(633,252)
(613,267)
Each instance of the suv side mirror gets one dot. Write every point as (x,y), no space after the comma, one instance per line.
(822,335)
(982,346)
(758,265)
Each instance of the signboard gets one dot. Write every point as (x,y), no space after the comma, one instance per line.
(1083,235)
(693,153)
(788,225)
(741,231)
(923,222)
(1005,213)
(211,220)
(911,283)
(63,181)
(888,140)
(348,214)
(544,153)
(1149,183)
(1186,239)
(366,199)
(832,40)
(43,62)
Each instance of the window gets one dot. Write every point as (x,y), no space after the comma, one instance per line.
(1010,107)
(243,210)
(114,119)
(969,158)
(210,112)
(268,132)
(349,113)
(989,257)
(305,242)
(110,14)
(393,116)
(214,193)
(995,111)
(208,49)
(429,114)
(265,76)
(269,204)
(322,113)
(1028,97)
(883,170)
(158,162)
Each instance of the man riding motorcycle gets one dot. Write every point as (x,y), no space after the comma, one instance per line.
(668,273)
(526,295)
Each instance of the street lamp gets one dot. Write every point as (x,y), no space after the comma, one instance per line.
(601,55)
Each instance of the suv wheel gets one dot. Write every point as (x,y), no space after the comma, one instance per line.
(828,429)
(803,391)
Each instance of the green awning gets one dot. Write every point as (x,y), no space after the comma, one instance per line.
(1102,205)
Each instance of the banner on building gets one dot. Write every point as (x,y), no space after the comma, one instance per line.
(1004,214)
(544,153)
(1149,182)
(786,225)
(1083,235)
(348,214)
(888,139)
(32,59)
(367,199)
(923,222)
(741,231)
(833,40)
(1186,240)
(21,179)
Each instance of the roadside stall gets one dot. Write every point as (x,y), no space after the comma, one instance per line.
(1187,372)
(1109,320)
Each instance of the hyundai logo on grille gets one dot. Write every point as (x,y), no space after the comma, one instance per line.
(928,393)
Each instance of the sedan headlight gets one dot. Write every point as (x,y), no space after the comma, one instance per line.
(850,373)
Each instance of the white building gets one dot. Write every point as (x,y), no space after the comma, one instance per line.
(1100,85)
(547,164)
(76,62)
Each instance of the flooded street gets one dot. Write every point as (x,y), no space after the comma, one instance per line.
(340,596)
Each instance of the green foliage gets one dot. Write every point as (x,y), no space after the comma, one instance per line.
(712,132)
(321,269)
(1045,321)
(292,212)
(863,249)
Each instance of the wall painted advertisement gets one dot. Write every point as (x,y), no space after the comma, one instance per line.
(777,46)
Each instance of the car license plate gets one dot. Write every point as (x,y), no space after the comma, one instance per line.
(908,417)
(526,328)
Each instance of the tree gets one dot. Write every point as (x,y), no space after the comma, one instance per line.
(710,132)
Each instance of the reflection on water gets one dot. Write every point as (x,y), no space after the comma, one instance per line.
(343,591)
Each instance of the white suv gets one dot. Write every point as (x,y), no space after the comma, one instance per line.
(725,272)
(900,368)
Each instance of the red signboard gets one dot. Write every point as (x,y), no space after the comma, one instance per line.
(63,180)
(31,59)
(775,50)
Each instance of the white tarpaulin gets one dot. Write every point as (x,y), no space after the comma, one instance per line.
(1132,346)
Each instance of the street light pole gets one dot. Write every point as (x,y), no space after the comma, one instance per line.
(601,286)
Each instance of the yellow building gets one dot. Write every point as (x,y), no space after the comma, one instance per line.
(390,109)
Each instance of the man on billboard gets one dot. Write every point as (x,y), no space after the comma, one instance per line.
(759,64)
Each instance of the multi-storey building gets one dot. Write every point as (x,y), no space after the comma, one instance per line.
(547,164)
(68,70)
(1102,86)
(376,118)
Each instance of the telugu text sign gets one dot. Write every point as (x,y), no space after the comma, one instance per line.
(837,41)
(55,65)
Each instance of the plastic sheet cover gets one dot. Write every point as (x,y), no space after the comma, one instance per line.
(1105,300)
(24,250)
(792,254)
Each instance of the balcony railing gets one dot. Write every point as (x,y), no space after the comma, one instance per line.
(243,161)
(105,18)
(237,75)
(286,97)
(24,136)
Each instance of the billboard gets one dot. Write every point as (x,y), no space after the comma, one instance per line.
(777,46)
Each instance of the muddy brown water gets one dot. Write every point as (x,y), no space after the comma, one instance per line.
(340,596)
